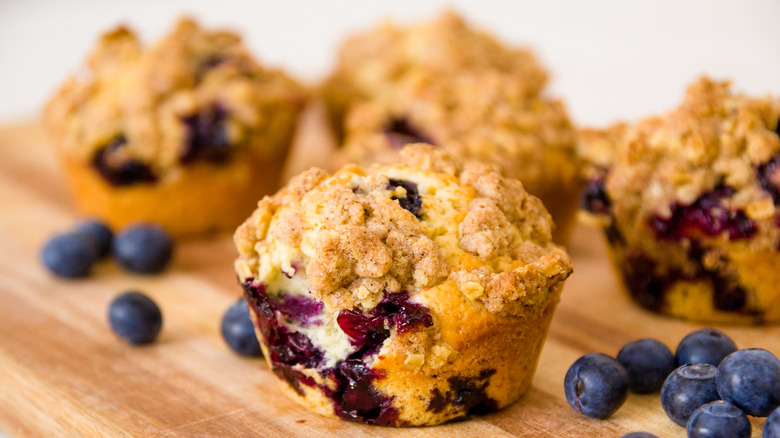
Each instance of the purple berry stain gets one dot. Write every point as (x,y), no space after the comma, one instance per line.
(207,137)
(412,202)
(400,132)
(121,172)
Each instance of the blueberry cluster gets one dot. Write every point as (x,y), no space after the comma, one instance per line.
(708,385)
(142,248)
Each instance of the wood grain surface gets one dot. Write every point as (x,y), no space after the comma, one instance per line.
(63,373)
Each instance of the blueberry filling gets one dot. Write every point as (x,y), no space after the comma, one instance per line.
(594,198)
(467,394)
(354,396)
(769,177)
(707,216)
(412,202)
(400,132)
(207,137)
(121,172)
(299,309)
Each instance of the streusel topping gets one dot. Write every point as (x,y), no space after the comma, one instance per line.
(360,233)
(193,95)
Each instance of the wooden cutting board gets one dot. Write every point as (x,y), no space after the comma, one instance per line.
(63,372)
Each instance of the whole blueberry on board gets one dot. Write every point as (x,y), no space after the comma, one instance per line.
(98,235)
(719,419)
(687,388)
(648,363)
(135,318)
(143,248)
(704,346)
(772,425)
(639,435)
(596,385)
(750,379)
(68,255)
(238,331)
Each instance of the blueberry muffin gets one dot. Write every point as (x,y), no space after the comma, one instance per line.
(187,133)
(449,85)
(688,202)
(401,295)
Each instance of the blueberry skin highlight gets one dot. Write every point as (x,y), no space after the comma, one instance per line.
(719,419)
(704,346)
(687,388)
(648,362)
(596,385)
(750,379)
(145,249)
(772,425)
(98,235)
(135,318)
(238,331)
(68,255)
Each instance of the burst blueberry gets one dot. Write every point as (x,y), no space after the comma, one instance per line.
(121,172)
(68,255)
(719,419)
(704,346)
(648,363)
(238,331)
(596,385)
(412,201)
(144,249)
(687,388)
(750,379)
(135,318)
(97,234)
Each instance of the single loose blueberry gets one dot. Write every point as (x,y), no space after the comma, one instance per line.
(750,379)
(98,235)
(596,385)
(238,331)
(772,425)
(639,435)
(68,255)
(648,363)
(687,388)
(135,318)
(719,419)
(704,346)
(144,248)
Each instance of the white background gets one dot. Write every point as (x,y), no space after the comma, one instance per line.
(608,59)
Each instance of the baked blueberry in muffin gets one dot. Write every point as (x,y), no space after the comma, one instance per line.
(450,85)
(406,294)
(186,133)
(688,201)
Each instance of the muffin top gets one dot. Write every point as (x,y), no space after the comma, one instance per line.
(406,227)
(193,96)
(371,61)
(707,169)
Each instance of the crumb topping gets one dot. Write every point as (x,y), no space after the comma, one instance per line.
(356,241)
(192,88)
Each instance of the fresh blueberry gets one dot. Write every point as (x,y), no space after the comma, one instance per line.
(135,318)
(750,379)
(772,424)
(238,331)
(648,363)
(145,249)
(704,346)
(98,235)
(719,419)
(639,435)
(68,255)
(596,385)
(687,388)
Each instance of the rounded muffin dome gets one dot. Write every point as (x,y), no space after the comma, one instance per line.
(384,294)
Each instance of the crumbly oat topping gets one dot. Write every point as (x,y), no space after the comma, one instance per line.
(148,96)
(355,240)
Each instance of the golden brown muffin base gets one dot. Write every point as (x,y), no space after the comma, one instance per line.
(693,299)
(194,199)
